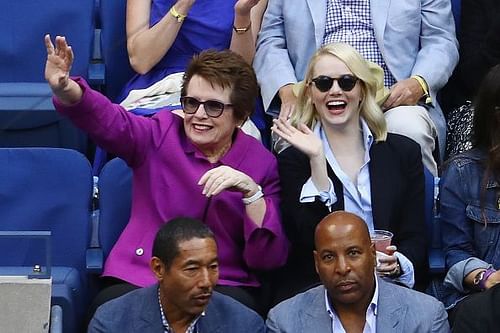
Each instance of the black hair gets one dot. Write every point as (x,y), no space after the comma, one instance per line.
(486,130)
(487,113)
(175,231)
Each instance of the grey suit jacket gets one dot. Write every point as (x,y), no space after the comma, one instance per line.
(138,311)
(399,310)
(415,37)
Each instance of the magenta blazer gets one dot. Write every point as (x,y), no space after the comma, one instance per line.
(166,168)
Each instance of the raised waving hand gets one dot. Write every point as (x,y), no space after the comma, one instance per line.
(59,61)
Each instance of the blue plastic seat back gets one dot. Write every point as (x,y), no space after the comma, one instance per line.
(46,189)
(456,8)
(24,23)
(115,198)
(429,202)
(27,117)
(49,189)
(436,255)
(114,46)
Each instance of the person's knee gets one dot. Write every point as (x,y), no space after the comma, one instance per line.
(413,122)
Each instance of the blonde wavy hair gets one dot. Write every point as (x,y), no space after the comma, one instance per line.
(370,77)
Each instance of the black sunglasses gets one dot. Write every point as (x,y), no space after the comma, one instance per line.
(212,108)
(346,82)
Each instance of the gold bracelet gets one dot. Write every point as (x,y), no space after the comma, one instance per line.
(424,87)
(241,31)
(180,17)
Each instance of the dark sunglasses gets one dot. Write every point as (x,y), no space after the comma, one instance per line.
(212,108)
(324,83)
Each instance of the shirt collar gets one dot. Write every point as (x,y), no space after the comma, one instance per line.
(367,134)
(192,328)
(372,306)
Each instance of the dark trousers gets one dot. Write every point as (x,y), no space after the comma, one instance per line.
(479,312)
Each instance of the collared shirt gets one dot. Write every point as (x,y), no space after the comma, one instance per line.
(192,328)
(357,195)
(349,21)
(371,314)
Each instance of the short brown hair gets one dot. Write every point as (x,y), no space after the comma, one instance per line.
(227,70)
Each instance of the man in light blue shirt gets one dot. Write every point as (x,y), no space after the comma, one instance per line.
(351,298)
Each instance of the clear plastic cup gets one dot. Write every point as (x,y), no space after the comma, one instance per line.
(382,239)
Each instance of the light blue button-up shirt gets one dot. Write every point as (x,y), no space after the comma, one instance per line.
(357,196)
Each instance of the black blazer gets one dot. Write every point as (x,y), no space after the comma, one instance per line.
(397,191)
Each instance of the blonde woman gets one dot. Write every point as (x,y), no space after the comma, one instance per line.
(342,158)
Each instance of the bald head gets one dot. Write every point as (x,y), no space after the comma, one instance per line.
(345,259)
(345,221)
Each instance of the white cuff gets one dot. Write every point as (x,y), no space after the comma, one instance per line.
(309,193)
(408,276)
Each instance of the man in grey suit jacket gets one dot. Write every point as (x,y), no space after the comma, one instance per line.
(351,298)
(185,264)
(413,41)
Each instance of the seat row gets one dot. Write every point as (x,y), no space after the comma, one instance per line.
(96,31)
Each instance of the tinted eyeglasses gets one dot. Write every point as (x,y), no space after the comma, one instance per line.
(324,83)
(212,107)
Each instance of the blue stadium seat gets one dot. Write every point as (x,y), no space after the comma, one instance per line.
(436,254)
(456,8)
(114,47)
(115,199)
(27,115)
(49,189)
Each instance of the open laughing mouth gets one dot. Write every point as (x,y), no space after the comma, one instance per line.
(336,107)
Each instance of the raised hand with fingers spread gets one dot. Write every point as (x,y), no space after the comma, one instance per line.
(301,137)
(57,69)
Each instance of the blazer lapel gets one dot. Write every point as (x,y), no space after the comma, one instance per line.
(318,14)
(150,317)
(315,318)
(381,176)
(211,321)
(391,312)
(338,187)
(379,10)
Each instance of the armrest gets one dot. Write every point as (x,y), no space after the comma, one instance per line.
(94,260)
(56,319)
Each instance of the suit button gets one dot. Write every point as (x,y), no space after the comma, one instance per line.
(139,251)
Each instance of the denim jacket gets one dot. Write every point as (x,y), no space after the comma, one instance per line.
(469,243)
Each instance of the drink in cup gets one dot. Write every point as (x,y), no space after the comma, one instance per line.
(382,239)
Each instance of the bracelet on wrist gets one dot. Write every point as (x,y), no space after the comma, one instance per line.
(241,31)
(424,86)
(256,196)
(178,16)
(484,278)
